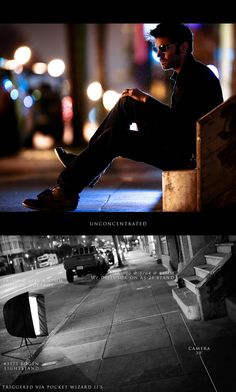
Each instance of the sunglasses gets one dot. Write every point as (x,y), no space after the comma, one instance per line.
(162,48)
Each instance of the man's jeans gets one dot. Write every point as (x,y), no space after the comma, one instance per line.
(155,142)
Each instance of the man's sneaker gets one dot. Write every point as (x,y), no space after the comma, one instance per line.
(64,157)
(53,199)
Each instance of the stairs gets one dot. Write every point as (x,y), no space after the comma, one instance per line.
(199,296)
(187,301)
(203,270)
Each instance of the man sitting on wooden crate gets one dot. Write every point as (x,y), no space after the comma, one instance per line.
(166,136)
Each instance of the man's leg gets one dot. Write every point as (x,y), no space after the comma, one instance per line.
(149,117)
(124,113)
(110,143)
(86,166)
(97,157)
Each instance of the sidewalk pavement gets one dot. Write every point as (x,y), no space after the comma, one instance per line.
(128,334)
(129,191)
(127,186)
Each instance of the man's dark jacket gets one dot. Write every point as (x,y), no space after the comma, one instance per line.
(196,92)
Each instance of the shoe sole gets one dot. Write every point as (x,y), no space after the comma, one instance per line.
(34,208)
(58,157)
(39,208)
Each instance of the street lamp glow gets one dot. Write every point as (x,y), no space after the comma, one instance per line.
(28,101)
(18,69)
(89,129)
(110,97)
(11,65)
(39,68)
(7,84)
(22,55)
(14,94)
(94,91)
(56,67)
(42,142)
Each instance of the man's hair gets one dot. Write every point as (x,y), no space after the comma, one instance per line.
(176,32)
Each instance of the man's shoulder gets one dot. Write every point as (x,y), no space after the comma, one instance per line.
(207,77)
(204,69)
(195,68)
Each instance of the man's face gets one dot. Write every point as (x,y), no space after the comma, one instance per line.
(169,53)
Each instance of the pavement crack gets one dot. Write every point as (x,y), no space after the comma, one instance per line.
(104,204)
(108,335)
(169,334)
(110,195)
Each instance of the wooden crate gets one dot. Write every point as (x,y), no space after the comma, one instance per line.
(213,184)
(179,191)
(216,157)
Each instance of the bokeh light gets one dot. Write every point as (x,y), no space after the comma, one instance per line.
(94,91)
(39,68)
(56,67)
(22,55)
(110,97)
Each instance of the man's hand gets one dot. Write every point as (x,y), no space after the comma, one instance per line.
(135,93)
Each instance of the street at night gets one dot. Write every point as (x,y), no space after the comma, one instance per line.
(128,192)
(126,284)
(127,186)
(124,332)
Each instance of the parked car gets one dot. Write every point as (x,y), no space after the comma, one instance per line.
(85,260)
(47,259)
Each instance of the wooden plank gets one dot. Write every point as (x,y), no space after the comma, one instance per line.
(216,157)
(179,189)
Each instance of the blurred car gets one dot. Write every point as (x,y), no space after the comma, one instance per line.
(85,260)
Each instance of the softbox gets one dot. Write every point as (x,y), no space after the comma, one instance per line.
(25,316)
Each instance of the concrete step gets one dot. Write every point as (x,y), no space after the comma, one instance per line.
(231,307)
(225,248)
(214,258)
(187,302)
(203,270)
(191,282)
